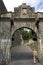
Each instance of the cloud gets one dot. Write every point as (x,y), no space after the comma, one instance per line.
(40,9)
(40,6)
(10,4)
(33,2)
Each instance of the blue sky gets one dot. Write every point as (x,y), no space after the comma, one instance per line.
(10,4)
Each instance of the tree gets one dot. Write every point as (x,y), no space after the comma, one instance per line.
(26,35)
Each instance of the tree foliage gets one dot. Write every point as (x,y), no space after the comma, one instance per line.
(26,35)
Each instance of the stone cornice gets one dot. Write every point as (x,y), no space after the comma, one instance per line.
(24,19)
(41,19)
(4,19)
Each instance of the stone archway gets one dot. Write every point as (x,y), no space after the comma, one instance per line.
(17,33)
(24,22)
(17,36)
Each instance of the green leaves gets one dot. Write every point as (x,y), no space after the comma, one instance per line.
(26,35)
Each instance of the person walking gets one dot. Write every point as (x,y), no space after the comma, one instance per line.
(34,55)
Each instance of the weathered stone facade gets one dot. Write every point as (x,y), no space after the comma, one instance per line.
(23,16)
(24,11)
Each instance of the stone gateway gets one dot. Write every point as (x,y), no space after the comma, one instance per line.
(23,16)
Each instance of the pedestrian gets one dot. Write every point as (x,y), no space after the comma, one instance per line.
(34,55)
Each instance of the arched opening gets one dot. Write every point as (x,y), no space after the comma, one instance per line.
(24,40)
(25,33)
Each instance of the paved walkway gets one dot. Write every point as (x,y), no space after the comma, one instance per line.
(22,55)
(24,62)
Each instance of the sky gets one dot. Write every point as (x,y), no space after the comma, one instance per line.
(26,29)
(10,4)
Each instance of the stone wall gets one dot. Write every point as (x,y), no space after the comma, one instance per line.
(5,36)
(40,41)
(21,22)
(17,39)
